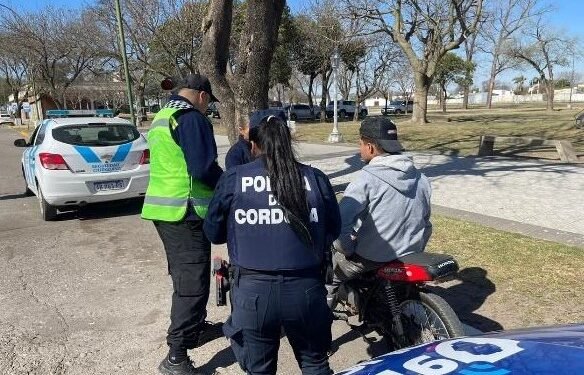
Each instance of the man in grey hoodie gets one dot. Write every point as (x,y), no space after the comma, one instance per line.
(385,211)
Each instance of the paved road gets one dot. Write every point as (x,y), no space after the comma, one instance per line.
(89,294)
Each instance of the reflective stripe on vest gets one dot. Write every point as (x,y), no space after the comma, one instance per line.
(163,201)
(170,187)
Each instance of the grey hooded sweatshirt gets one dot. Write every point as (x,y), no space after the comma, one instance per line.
(385,211)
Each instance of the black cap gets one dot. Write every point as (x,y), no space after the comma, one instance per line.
(197,82)
(256,117)
(383,130)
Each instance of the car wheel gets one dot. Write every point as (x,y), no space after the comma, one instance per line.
(27,191)
(342,114)
(293,117)
(48,212)
(363,113)
(398,111)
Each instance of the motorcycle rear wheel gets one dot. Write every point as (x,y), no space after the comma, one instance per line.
(424,320)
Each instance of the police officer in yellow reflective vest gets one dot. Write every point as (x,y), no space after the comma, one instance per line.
(183,174)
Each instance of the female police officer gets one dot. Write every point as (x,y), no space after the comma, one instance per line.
(277,216)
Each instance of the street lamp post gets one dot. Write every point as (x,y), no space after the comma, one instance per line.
(335,136)
(122,42)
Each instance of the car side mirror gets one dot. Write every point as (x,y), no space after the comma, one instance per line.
(20,143)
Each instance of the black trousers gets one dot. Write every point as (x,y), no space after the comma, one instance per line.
(263,304)
(188,252)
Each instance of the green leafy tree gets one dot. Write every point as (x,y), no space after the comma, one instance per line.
(562,83)
(519,81)
(281,69)
(452,69)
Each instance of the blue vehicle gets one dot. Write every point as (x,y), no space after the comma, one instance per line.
(551,350)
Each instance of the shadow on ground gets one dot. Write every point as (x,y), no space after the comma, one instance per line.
(224,358)
(468,296)
(104,210)
(376,346)
(13,196)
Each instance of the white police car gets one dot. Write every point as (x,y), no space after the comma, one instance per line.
(72,159)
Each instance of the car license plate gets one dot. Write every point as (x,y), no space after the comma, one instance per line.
(109,185)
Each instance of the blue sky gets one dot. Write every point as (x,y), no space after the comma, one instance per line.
(567,15)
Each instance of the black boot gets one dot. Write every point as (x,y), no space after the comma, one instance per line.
(185,367)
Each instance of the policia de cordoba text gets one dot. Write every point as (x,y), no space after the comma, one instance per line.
(266,215)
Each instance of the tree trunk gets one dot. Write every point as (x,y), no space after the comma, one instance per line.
(465,94)
(324,96)
(423,83)
(357,98)
(443,97)
(490,88)
(549,86)
(247,89)
(138,100)
(142,103)
(18,112)
(310,82)
(279,92)
(257,44)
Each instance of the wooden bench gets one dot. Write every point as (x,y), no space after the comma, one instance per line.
(564,148)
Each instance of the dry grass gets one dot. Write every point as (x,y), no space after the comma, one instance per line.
(534,282)
(458,131)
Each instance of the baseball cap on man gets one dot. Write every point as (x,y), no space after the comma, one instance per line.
(256,117)
(383,130)
(197,82)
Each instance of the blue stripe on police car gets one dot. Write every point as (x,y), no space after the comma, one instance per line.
(88,154)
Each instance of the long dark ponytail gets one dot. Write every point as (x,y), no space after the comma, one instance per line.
(273,137)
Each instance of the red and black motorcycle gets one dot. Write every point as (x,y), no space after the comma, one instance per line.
(395,301)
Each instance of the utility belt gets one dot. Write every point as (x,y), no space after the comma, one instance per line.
(307,272)
(227,275)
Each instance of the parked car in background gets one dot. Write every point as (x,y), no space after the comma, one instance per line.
(213,110)
(276,104)
(316,111)
(398,107)
(548,350)
(5,118)
(78,157)
(301,112)
(345,109)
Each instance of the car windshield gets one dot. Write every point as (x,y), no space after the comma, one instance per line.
(96,134)
(396,102)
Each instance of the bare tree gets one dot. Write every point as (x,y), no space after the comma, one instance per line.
(471,45)
(402,78)
(305,83)
(506,17)
(371,69)
(543,48)
(14,65)
(176,43)
(425,30)
(321,31)
(61,45)
(146,25)
(243,86)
